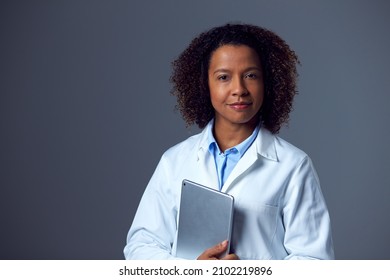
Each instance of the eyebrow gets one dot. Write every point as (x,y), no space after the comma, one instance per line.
(247,69)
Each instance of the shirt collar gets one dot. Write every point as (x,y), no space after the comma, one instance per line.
(264,144)
(241,148)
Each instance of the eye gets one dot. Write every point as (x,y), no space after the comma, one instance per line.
(223,77)
(251,76)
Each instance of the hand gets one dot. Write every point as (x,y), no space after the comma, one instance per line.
(214,253)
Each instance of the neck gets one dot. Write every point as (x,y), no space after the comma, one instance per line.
(228,136)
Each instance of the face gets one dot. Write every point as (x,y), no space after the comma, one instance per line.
(236,85)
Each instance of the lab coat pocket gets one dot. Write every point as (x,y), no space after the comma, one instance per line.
(254,229)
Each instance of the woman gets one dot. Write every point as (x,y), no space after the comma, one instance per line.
(237,82)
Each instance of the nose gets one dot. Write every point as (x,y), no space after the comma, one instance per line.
(238,87)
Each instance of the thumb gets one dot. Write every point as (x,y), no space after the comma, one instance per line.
(217,249)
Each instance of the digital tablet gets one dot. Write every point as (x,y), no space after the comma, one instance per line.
(205,219)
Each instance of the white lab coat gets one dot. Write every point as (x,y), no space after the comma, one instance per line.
(280,212)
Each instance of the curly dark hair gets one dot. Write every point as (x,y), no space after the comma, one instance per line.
(190,73)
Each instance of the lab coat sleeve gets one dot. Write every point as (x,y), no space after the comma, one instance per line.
(153,230)
(305,216)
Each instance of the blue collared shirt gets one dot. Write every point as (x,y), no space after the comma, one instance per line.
(225,161)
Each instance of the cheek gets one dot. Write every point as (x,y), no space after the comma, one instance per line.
(259,94)
(214,100)
(216,95)
(259,99)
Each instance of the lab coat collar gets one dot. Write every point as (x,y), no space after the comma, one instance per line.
(263,146)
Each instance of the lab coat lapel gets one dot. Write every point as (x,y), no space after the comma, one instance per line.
(243,164)
(263,146)
(205,165)
(207,172)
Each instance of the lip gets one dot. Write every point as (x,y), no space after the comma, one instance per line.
(240,105)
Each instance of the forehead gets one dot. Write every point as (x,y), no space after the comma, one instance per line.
(234,55)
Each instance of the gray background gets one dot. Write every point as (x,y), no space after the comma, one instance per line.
(85,114)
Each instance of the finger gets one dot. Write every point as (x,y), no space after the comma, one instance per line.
(217,249)
(230,257)
(214,252)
